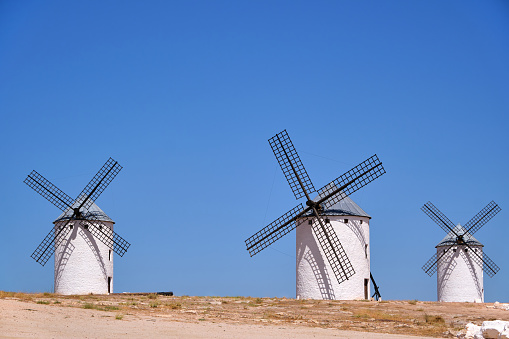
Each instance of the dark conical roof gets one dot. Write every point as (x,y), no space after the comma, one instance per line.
(450,238)
(94,211)
(344,207)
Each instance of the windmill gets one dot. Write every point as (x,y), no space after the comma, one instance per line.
(320,227)
(82,265)
(460,259)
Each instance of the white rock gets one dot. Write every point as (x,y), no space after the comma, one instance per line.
(472,331)
(461,334)
(492,329)
(501,306)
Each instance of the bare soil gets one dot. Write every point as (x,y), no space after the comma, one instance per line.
(150,315)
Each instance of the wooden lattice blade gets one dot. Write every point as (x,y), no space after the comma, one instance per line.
(275,230)
(106,235)
(481,218)
(489,267)
(49,244)
(98,184)
(292,166)
(431,266)
(438,217)
(49,191)
(333,250)
(351,181)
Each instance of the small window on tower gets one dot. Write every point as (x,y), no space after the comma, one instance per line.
(310,222)
(109,253)
(454,250)
(327,220)
(361,222)
(70,226)
(466,250)
(346,221)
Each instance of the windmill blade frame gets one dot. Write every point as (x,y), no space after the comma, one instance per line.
(350,181)
(48,191)
(333,249)
(489,267)
(481,218)
(275,230)
(291,165)
(439,218)
(431,266)
(98,183)
(49,244)
(106,235)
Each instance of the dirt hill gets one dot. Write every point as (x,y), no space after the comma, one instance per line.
(430,319)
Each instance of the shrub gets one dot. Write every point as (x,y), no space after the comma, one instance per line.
(434,319)
(175,306)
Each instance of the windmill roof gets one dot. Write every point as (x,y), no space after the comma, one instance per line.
(344,207)
(450,238)
(94,211)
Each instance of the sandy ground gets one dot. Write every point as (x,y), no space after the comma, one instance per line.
(29,320)
(152,316)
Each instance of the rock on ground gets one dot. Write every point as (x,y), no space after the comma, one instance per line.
(496,329)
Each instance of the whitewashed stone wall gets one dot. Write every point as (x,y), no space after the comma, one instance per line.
(459,278)
(83,263)
(315,278)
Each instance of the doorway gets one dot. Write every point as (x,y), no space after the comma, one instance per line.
(366,282)
(109,285)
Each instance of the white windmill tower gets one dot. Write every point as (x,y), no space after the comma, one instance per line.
(460,259)
(314,281)
(83,265)
(321,225)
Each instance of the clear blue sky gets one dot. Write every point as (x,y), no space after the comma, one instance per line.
(185,95)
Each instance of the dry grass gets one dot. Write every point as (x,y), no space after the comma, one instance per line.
(100,307)
(434,319)
(174,305)
(399,317)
